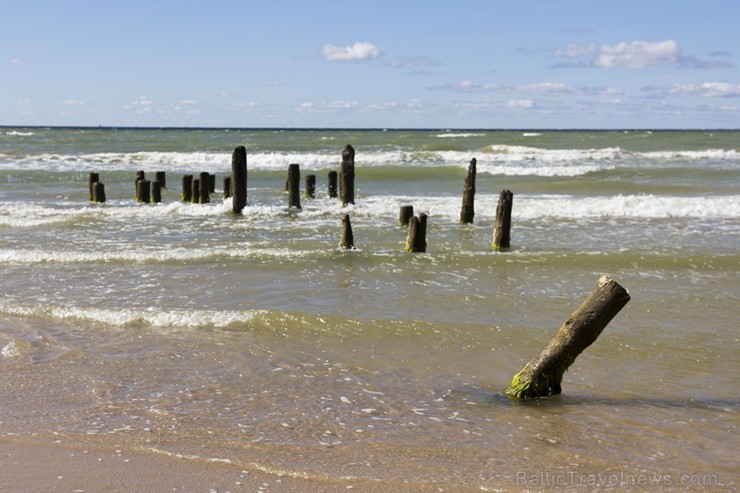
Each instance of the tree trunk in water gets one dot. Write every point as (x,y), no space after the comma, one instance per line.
(541,377)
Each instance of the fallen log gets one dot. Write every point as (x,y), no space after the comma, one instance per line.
(541,377)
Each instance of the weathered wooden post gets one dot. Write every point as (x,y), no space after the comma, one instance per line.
(205,187)
(142,191)
(92,179)
(405,214)
(211,183)
(348,239)
(187,188)
(156,192)
(347,176)
(542,376)
(195,192)
(416,241)
(468,209)
(227,187)
(502,230)
(311,186)
(332,187)
(161,178)
(238,185)
(98,192)
(139,176)
(294,179)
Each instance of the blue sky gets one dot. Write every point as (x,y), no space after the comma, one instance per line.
(420,64)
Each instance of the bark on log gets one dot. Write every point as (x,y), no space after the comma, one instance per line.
(239,179)
(468,208)
(542,376)
(502,230)
(348,239)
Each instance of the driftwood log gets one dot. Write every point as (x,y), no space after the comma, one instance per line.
(542,376)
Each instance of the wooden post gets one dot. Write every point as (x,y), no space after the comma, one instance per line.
(405,215)
(156,192)
(238,186)
(187,188)
(205,186)
(468,209)
(92,179)
(195,192)
(294,179)
(347,177)
(211,183)
(332,188)
(311,186)
(502,231)
(160,177)
(98,194)
(142,191)
(542,376)
(227,187)
(348,239)
(139,176)
(416,241)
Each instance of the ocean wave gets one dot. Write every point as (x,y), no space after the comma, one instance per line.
(15,133)
(459,135)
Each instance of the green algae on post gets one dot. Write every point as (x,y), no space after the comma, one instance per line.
(541,377)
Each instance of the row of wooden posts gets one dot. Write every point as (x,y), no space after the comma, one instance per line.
(198,190)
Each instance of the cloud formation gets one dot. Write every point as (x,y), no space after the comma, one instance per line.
(707,89)
(358,51)
(638,54)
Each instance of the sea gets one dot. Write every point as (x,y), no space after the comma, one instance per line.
(176,346)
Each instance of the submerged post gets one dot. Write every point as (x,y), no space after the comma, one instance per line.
(294,179)
(348,239)
(142,191)
(139,176)
(332,187)
(542,376)
(195,192)
(205,187)
(161,178)
(311,186)
(156,192)
(238,187)
(98,192)
(502,230)
(187,188)
(93,178)
(347,177)
(468,210)
(405,214)
(416,241)
(227,187)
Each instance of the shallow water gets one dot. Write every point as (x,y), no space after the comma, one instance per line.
(253,342)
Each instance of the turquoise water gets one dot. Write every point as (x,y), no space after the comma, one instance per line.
(180,328)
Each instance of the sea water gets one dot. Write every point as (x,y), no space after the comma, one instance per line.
(186,331)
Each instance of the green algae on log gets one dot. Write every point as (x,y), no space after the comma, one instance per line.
(541,377)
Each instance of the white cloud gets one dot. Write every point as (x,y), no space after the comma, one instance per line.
(73,102)
(358,51)
(638,54)
(15,61)
(575,51)
(521,103)
(142,105)
(707,89)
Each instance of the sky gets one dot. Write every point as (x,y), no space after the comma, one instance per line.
(371,64)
